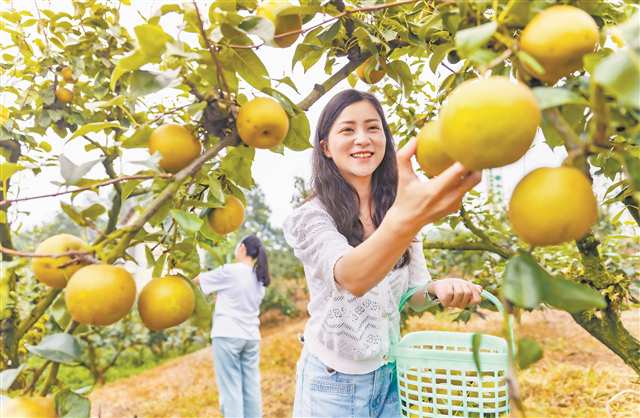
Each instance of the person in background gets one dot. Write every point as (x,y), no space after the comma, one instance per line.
(239,288)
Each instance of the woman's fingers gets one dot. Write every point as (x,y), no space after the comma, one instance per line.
(476,294)
(403,157)
(452,176)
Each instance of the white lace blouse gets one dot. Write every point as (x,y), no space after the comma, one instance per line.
(347,333)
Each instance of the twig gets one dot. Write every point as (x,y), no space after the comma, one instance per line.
(506,54)
(600,116)
(329,20)
(34,255)
(467,246)
(80,189)
(167,193)
(212,50)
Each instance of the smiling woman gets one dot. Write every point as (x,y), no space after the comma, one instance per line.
(356,239)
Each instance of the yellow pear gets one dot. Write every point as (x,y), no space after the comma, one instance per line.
(176,145)
(489,122)
(558,38)
(227,218)
(283,23)
(100,294)
(47,270)
(67,74)
(64,94)
(262,123)
(28,407)
(165,302)
(431,151)
(376,72)
(553,205)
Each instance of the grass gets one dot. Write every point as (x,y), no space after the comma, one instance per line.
(577,376)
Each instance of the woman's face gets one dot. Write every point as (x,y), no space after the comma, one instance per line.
(356,142)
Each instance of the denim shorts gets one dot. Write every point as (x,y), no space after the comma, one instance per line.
(323,392)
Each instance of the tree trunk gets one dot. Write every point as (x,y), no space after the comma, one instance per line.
(608,328)
(9,315)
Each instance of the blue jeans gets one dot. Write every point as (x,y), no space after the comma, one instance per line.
(323,392)
(237,364)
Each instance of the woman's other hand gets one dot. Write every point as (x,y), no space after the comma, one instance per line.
(455,293)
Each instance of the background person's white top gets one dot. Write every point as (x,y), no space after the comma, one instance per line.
(239,294)
(347,333)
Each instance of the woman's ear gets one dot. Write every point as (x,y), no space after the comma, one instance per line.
(325,148)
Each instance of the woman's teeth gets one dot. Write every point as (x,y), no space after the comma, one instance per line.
(362,155)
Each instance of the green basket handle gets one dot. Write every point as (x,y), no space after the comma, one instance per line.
(485,294)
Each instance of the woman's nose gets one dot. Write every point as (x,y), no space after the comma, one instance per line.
(362,137)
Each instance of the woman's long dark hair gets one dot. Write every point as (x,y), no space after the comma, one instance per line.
(336,194)
(256,250)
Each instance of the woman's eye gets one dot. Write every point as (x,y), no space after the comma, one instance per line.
(374,128)
(346,130)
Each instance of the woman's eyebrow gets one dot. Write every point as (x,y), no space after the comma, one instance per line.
(351,122)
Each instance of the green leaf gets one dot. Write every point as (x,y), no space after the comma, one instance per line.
(529,351)
(59,348)
(476,341)
(9,169)
(73,214)
(400,71)
(552,136)
(327,35)
(131,62)
(523,281)
(95,127)
(251,68)
(93,211)
(128,187)
(633,168)
(526,284)
(307,55)
(215,194)
(152,39)
(619,74)
(439,52)
(469,40)
(190,222)
(71,405)
(237,165)
(531,62)
(288,82)
(149,256)
(259,26)
(548,97)
(158,267)
(147,82)
(202,314)
(571,296)
(139,139)
(297,138)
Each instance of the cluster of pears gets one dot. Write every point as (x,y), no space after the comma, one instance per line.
(261,123)
(488,123)
(63,94)
(102,294)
